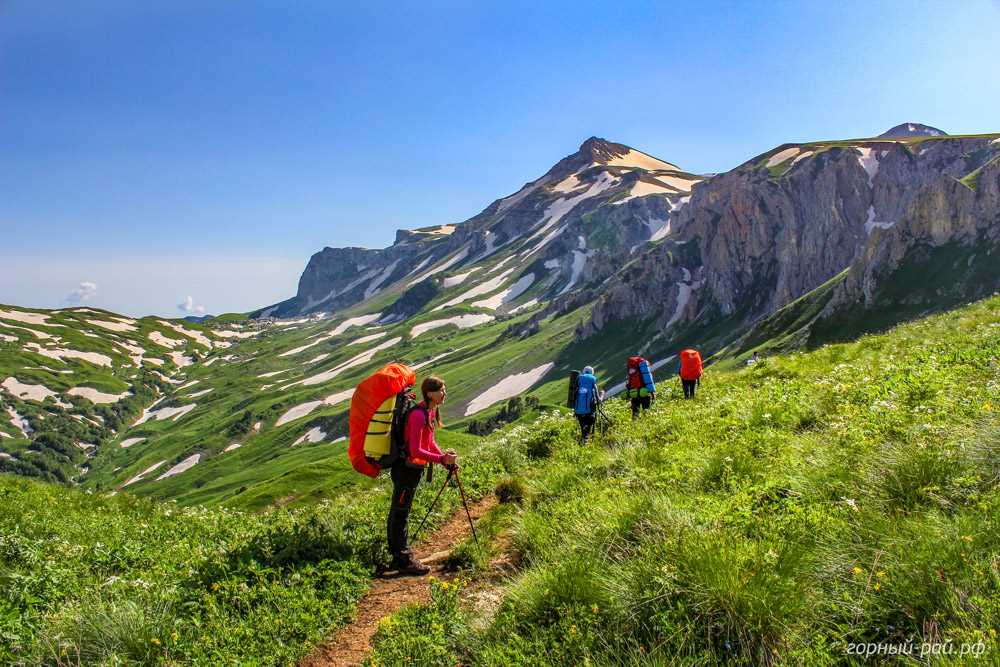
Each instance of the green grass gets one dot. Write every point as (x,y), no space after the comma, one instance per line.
(87,578)
(848,494)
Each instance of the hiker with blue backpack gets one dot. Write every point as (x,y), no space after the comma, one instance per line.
(639,386)
(586,400)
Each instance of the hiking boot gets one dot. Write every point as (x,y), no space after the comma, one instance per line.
(407,564)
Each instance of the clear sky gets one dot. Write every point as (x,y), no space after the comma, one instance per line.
(158,150)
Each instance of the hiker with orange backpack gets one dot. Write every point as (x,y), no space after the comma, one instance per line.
(406,471)
(639,385)
(390,429)
(690,370)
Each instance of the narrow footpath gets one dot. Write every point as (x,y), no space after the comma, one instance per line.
(350,645)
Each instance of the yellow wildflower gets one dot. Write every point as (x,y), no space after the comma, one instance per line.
(857,570)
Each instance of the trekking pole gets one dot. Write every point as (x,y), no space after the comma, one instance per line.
(466,504)
(431,508)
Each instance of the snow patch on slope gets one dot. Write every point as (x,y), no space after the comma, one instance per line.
(510,386)
(872,223)
(868,159)
(579,261)
(507,295)
(183,466)
(362,358)
(782,156)
(461,321)
(95,396)
(640,160)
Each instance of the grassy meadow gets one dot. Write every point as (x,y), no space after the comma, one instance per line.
(794,508)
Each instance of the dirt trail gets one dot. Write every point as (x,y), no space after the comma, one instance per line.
(388,593)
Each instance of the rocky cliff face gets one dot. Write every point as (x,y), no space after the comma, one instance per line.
(945,248)
(775,228)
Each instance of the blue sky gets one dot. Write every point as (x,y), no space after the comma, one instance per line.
(165,150)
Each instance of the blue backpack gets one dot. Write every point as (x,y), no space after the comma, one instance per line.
(586,394)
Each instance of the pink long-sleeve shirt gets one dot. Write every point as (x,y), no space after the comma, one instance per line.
(420,435)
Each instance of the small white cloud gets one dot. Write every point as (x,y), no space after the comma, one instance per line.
(188,306)
(85,292)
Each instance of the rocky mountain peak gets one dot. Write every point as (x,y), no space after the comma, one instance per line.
(602,151)
(913,130)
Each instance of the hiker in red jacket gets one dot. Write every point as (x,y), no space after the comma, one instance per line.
(406,472)
(690,370)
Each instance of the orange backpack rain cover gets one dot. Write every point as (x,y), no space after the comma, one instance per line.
(370,394)
(690,364)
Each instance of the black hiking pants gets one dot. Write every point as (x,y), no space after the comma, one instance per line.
(404,485)
(586,424)
(689,387)
(642,402)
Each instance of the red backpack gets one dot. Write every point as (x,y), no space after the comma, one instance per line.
(379,409)
(690,364)
(634,376)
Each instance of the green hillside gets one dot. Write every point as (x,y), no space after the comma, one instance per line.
(847,494)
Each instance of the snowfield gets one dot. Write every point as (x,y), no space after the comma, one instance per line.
(184,465)
(362,358)
(143,474)
(461,321)
(640,160)
(684,292)
(368,339)
(677,183)
(354,322)
(458,257)
(643,189)
(164,413)
(315,434)
(479,290)
(458,278)
(508,295)
(376,282)
(781,156)
(579,261)
(27,318)
(95,396)
(510,386)
(307,408)
(558,209)
(31,392)
(112,326)
(59,354)
(868,159)
(162,340)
